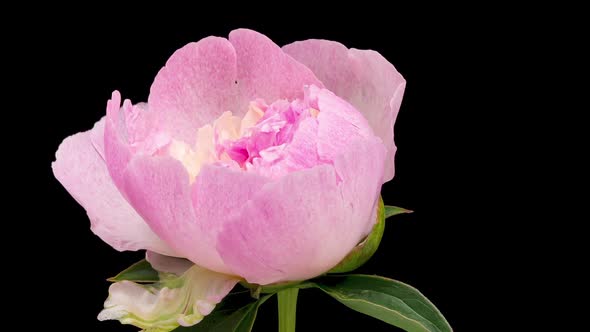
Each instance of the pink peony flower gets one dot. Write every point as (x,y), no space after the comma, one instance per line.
(248,160)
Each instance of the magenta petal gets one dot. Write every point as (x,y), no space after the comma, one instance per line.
(83,172)
(292,229)
(362,77)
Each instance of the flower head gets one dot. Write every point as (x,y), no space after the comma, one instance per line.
(248,160)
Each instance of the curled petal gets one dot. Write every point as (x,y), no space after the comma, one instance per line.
(362,77)
(81,169)
(173,302)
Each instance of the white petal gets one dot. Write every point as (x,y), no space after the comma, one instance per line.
(180,300)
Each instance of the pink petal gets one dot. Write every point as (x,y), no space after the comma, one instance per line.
(97,137)
(116,150)
(302,151)
(292,229)
(265,71)
(339,123)
(82,171)
(195,87)
(168,264)
(360,169)
(217,196)
(188,218)
(362,77)
(158,188)
(204,79)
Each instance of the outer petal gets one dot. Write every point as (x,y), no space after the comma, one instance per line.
(158,188)
(82,171)
(292,229)
(116,151)
(362,77)
(164,306)
(346,138)
(97,137)
(195,87)
(188,218)
(217,196)
(129,130)
(360,168)
(168,264)
(339,123)
(204,79)
(265,71)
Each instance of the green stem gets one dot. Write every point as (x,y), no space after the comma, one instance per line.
(287,309)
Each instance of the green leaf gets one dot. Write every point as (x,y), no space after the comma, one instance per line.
(227,318)
(389,300)
(391,211)
(141,271)
(364,250)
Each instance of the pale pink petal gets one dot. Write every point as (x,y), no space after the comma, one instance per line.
(97,136)
(360,169)
(158,188)
(82,171)
(362,77)
(168,264)
(129,130)
(292,229)
(302,152)
(189,218)
(204,79)
(265,71)
(338,123)
(116,150)
(217,196)
(195,87)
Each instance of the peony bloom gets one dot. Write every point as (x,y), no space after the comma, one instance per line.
(249,160)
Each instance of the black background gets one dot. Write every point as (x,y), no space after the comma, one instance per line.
(447,165)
